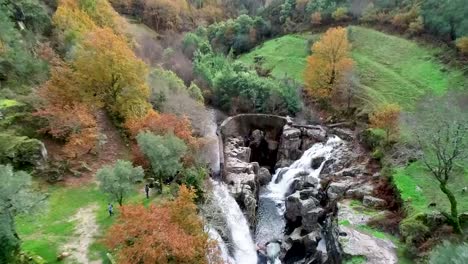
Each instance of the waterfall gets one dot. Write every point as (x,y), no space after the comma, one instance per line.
(244,250)
(271,209)
(211,146)
(222,248)
(43,152)
(244,247)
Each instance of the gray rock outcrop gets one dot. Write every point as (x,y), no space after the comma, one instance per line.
(373,202)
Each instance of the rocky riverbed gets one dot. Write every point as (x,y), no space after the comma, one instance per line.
(289,180)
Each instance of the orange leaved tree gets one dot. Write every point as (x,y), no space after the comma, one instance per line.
(110,74)
(68,119)
(386,118)
(168,233)
(74,123)
(161,124)
(328,63)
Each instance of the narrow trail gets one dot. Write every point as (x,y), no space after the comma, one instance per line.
(112,149)
(85,233)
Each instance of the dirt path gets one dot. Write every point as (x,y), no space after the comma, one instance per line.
(85,232)
(114,148)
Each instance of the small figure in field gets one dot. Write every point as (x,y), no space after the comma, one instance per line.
(147,189)
(110,209)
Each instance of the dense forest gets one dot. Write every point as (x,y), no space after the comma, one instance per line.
(113,147)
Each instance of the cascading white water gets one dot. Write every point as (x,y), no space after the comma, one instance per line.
(223,250)
(244,247)
(271,209)
(212,142)
(244,250)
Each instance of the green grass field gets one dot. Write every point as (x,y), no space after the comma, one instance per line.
(390,68)
(44,232)
(285,56)
(418,188)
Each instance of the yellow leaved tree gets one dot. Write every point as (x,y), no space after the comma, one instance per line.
(111,75)
(329,63)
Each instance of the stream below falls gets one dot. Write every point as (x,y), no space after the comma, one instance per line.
(271,223)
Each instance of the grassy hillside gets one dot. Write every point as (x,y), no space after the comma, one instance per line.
(419,189)
(286,56)
(391,69)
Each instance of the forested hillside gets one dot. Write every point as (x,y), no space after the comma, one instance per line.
(344,121)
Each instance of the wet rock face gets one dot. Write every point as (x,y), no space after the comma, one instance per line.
(297,139)
(240,175)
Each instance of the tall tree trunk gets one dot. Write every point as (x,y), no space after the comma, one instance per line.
(160,184)
(454,219)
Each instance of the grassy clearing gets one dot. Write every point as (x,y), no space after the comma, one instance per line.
(394,69)
(391,69)
(418,188)
(285,56)
(43,233)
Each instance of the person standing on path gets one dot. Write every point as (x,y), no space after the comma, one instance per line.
(111,209)
(147,191)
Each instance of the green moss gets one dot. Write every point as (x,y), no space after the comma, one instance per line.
(373,232)
(355,260)
(373,137)
(344,223)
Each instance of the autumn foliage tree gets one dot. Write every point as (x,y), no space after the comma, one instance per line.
(110,74)
(168,233)
(328,63)
(161,124)
(68,119)
(72,123)
(386,118)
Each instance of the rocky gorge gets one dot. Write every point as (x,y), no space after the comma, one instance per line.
(290,179)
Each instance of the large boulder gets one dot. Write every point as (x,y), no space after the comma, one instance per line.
(360,191)
(310,136)
(234,165)
(375,250)
(310,219)
(296,206)
(21,150)
(235,148)
(373,202)
(301,247)
(263,176)
(336,190)
(289,147)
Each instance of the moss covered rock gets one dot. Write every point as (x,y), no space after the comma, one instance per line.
(21,150)
(373,138)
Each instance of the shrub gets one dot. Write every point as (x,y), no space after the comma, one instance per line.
(414,231)
(462,44)
(316,18)
(386,117)
(373,138)
(19,150)
(449,253)
(340,14)
(237,88)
